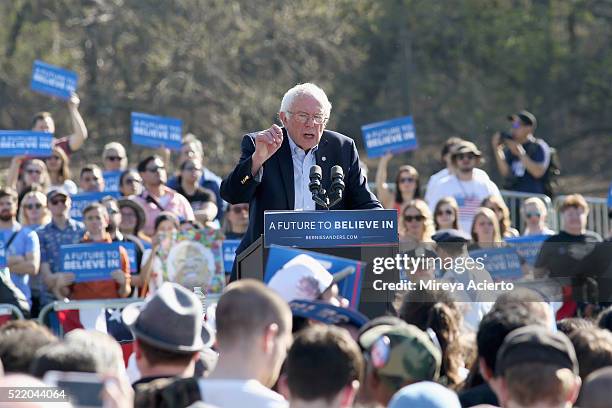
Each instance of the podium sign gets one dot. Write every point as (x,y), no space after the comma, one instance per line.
(328,229)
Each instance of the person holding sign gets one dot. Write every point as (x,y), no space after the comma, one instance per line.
(273,170)
(58,165)
(34,174)
(96,221)
(43,122)
(407,185)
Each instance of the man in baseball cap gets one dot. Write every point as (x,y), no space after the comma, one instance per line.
(536,367)
(400,355)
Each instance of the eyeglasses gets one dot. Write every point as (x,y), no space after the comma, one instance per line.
(469,156)
(33,171)
(443,212)
(410,218)
(57,201)
(303,118)
(38,206)
(533,214)
(155,169)
(407,180)
(113,158)
(237,209)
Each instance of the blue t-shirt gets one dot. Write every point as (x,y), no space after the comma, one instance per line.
(538,151)
(25,242)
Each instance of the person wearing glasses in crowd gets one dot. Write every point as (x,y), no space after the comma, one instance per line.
(58,166)
(115,157)
(202,200)
(407,185)
(91,179)
(446,214)
(274,166)
(534,213)
(467,189)
(130,183)
(191,148)
(416,225)
(499,207)
(520,157)
(62,230)
(34,174)
(33,211)
(157,197)
(236,221)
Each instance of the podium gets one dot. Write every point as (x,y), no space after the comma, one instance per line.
(363,235)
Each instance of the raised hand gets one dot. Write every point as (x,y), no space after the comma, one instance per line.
(267,142)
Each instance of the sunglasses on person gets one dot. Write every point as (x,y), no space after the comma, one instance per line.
(533,214)
(463,156)
(57,201)
(33,171)
(406,180)
(237,209)
(444,212)
(155,169)
(113,158)
(192,168)
(410,218)
(32,206)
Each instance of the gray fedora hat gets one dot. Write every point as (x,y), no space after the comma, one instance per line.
(171,319)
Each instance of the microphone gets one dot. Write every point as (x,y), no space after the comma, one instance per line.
(337,185)
(318,193)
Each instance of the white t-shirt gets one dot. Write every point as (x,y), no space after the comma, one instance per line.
(239,393)
(478,174)
(469,195)
(157,278)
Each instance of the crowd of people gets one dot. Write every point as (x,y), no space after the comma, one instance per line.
(257,348)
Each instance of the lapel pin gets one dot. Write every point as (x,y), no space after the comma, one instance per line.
(323,158)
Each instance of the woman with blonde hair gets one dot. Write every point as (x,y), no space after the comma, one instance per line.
(446,214)
(534,212)
(407,185)
(416,224)
(499,207)
(33,211)
(58,165)
(115,157)
(485,229)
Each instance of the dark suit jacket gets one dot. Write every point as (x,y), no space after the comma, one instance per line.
(276,189)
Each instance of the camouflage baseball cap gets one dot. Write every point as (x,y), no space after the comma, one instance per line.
(405,352)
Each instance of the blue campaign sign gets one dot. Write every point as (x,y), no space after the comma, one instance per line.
(90,261)
(156,131)
(130,248)
(51,80)
(326,229)
(82,200)
(527,247)
(390,136)
(610,197)
(348,273)
(111,181)
(502,263)
(327,313)
(229,253)
(25,143)
(2,254)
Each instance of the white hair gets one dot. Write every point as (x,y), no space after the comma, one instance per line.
(309,89)
(120,151)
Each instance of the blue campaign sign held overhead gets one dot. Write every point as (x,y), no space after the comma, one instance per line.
(92,261)
(111,181)
(347,273)
(82,200)
(390,136)
(25,143)
(229,253)
(326,229)
(156,131)
(502,263)
(51,80)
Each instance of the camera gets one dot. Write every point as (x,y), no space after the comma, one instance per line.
(505,135)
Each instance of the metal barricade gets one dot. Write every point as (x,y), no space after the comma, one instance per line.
(66,304)
(598,220)
(7,308)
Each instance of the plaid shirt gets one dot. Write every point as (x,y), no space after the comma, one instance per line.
(52,238)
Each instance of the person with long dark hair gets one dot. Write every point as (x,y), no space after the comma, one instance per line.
(407,185)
